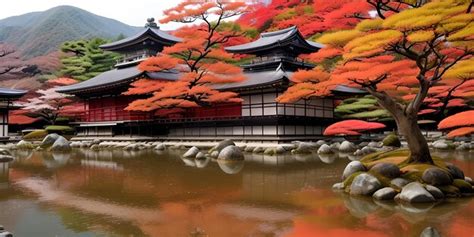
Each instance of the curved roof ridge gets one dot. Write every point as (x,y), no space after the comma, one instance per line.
(291,29)
(156,32)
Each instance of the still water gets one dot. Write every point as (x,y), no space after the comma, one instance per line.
(150,193)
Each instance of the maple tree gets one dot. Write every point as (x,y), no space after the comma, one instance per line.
(403,52)
(48,104)
(351,127)
(460,124)
(199,57)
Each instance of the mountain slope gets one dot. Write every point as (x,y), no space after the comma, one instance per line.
(39,33)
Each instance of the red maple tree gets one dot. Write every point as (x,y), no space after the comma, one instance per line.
(199,58)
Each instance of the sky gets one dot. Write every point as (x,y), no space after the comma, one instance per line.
(132,12)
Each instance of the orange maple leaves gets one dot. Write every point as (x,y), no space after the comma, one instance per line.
(461,123)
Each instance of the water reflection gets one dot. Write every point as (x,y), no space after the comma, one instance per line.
(150,193)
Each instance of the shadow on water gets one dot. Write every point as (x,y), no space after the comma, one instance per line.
(159,193)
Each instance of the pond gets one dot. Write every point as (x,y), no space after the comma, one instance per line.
(151,193)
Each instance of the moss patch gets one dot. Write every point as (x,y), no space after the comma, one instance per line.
(463,186)
(450,190)
(351,178)
(36,135)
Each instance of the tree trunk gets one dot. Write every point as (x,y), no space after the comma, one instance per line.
(419,150)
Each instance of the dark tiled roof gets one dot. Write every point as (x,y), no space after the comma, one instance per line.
(115,76)
(149,32)
(254,79)
(275,39)
(11,93)
(342,89)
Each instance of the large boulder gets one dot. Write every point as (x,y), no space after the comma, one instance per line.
(325,149)
(386,193)
(231,153)
(49,140)
(351,168)
(391,140)
(436,176)
(347,147)
(455,172)
(388,170)
(160,147)
(191,153)
(441,144)
(414,192)
(221,145)
(364,184)
(61,144)
(319,143)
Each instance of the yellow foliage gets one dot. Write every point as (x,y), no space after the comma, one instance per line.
(371,24)
(372,43)
(465,32)
(463,69)
(421,36)
(340,38)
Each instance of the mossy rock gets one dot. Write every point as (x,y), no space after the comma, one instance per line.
(391,140)
(39,134)
(348,181)
(450,190)
(463,186)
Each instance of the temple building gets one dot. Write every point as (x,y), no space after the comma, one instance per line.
(258,117)
(7,97)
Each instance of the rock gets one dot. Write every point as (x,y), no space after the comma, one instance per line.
(440,144)
(75,144)
(304,148)
(338,186)
(258,149)
(325,149)
(388,170)
(347,147)
(455,172)
(249,148)
(414,192)
(436,176)
(364,184)
(95,147)
(160,147)
(49,140)
(391,140)
(25,145)
(61,144)
(463,186)
(231,153)
(200,155)
(280,150)
(351,168)
(319,143)
(436,192)
(214,154)
(221,145)
(374,144)
(430,232)
(362,144)
(335,146)
(270,151)
(469,180)
(6,158)
(365,151)
(399,182)
(463,147)
(385,194)
(96,141)
(191,153)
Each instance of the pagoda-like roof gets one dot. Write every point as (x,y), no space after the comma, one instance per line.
(149,33)
(277,39)
(11,93)
(115,77)
(343,89)
(258,79)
